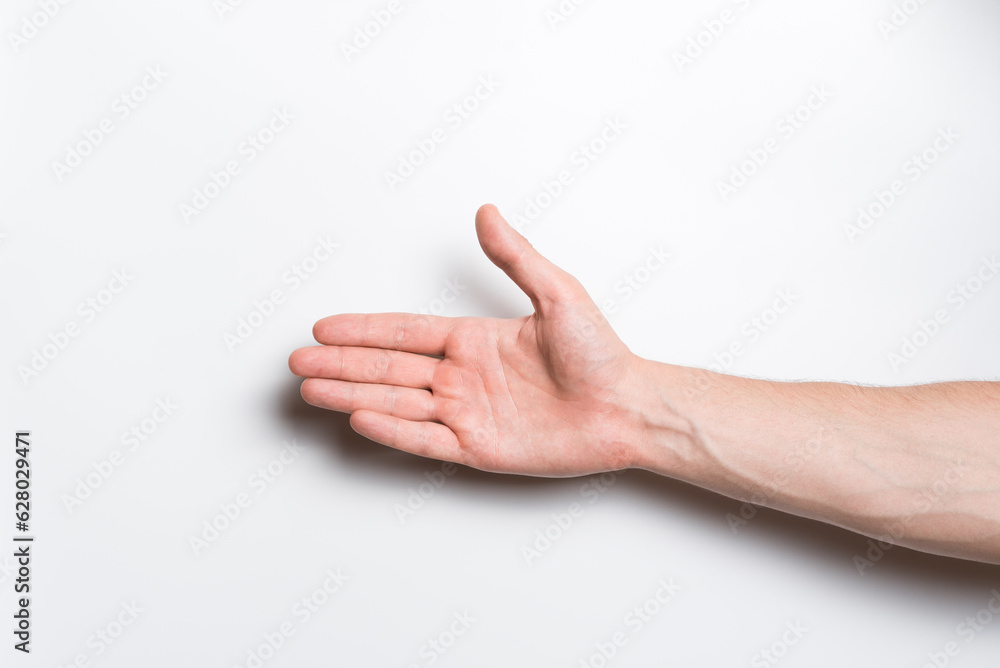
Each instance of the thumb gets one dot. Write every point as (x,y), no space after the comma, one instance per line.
(542,281)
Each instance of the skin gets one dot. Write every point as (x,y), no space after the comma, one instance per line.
(557,393)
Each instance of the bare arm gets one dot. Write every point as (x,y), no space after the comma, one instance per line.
(557,393)
(916,466)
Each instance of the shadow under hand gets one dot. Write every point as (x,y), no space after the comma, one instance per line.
(332,431)
(821,544)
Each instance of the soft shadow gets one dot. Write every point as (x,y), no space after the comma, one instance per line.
(821,544)
(333,432)
(488,301)
(828,546)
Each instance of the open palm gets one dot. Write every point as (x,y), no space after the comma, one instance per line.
(546,394)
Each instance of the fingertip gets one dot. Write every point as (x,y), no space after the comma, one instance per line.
(358,422)
(493,238)
(305,391)
(486,210)
(317,329)
(488,219)
(295,361)
(329,329)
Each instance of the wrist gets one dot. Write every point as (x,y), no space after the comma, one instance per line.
(665,436)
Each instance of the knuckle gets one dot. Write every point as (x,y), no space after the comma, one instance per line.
(389,401)
(423,437)
(380,367)
(399,335)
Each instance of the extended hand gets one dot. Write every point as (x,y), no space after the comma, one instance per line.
(548,394)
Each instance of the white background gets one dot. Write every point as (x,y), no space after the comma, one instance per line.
(336,505)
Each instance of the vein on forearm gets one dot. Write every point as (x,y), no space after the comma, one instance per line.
(927,457)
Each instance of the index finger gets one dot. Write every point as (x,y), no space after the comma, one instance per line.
(422,334)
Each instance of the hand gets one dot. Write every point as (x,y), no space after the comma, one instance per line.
(549,394)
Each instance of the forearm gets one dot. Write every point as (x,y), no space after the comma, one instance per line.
(919,465)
